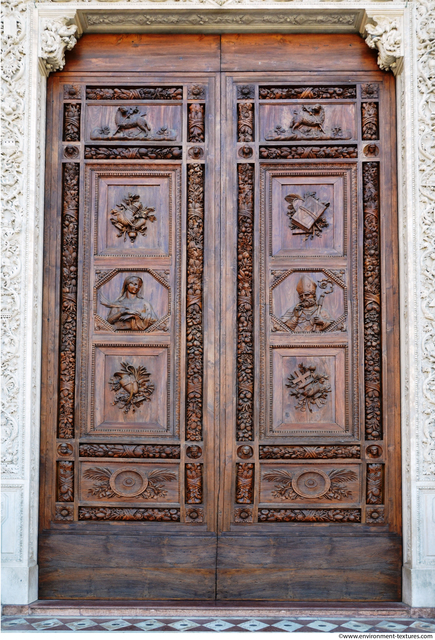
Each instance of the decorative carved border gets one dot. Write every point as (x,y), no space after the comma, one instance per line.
(245,304)
(309,515)
(309,452)
(97,450)
(100,514)
(194,302)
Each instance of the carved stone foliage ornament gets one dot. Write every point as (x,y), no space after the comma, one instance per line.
(310,389)
(131,124)
(385,36)
(131,217)
(194,314)
(131,386)
(56,37)
(307,123)
(311,484)
(130,311)
(306,214)
(309,314)
(129,483)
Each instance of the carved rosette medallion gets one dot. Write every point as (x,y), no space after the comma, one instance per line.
(128,482)
(194,314)
(68,316)
(195,514)
(131,386)
(245,304)
(375,515)
(372,302)
(311,484)
(243,515)
(64,513)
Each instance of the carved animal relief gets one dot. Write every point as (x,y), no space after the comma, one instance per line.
(308,123)
(311,484)
(131,123)
(306,214)
(131,386)
(129,483)
(130,217)
(310,389)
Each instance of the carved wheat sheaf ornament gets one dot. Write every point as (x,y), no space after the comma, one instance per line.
(132,124)
(128,483)
(131,386)
(306,214)
(311,389)
(130,217)
(311,484)
(307,123)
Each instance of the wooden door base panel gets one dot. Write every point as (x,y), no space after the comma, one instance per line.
(208,608)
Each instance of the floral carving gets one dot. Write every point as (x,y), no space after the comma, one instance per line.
(300,453)
(375,484)
(65,449)
(64,513)
(310,389)
(56,38)
(130,217)
(245,92)
(71,122)
(245,122)
(134,93)
(243,514)
(375,515)
(133,153)
(196,92)
(193,483)
(309,515)
(307,93)
(370,126)
(72,92)
(196,122)
(129,451)
(311,484)
(245,302)
(128,483)
(195,514)
(68,316)
(71,152)
(279,153)
(385,36)
(129,514)
(194,452)
(245,483)
(194,329)
(196,153)
(370,90)
(372,302)
(131,386)
(65,481)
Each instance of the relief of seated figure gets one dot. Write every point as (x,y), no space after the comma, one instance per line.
(308,314)
(130,311)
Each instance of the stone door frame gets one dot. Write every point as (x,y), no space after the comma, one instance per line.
(38,36)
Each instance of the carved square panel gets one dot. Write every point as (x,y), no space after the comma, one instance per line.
(299,121)
(129,389)
(313,301)
(308,390)
(306,215)
(132,300)
(134,214)
(126,482)
(134,122)
(310,482)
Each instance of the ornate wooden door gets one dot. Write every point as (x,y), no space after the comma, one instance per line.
(220,404)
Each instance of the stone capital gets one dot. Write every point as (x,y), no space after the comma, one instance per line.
(383,30)
(58,32)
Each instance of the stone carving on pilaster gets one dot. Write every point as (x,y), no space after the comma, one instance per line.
(56,37)
(386,36)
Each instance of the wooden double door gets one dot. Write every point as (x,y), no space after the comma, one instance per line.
(220,375)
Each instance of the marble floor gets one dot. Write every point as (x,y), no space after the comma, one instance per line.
(38,623)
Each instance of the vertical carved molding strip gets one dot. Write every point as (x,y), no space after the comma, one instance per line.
(375,480)
(196,122)
(65,481)
(245,483)
(370,123)
(372,302)
(245,304)
(245,122)
(193,483)
(71,122)
(194,329)
(68,316)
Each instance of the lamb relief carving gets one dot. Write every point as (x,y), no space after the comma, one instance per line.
(131,123)
(308,123)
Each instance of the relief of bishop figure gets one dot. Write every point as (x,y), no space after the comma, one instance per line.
(308,314)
